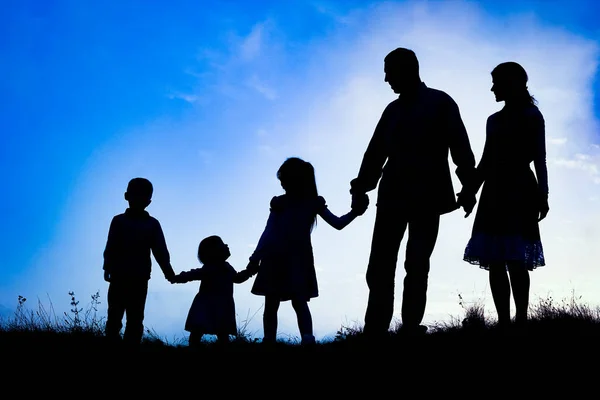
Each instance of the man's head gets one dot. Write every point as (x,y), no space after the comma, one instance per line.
(401,68)
(139,193)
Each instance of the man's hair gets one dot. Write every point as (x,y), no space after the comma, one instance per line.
(141,187)
(402,57)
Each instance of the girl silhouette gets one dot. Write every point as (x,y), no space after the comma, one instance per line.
(284,254)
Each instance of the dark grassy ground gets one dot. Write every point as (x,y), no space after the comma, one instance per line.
(560,340)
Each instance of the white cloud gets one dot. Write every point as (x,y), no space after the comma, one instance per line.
(268,92)
(190,98)
(252,45)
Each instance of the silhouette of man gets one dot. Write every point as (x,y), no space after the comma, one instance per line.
(409,152)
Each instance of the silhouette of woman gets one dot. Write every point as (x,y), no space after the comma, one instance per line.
(506,235)
(284,256)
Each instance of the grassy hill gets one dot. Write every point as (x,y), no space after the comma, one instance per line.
(559,336)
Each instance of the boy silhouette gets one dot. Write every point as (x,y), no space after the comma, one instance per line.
(132,236)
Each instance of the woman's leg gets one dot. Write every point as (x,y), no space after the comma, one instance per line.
(520,283)
(304,317)
(270,319)
(223,338)
(500,287)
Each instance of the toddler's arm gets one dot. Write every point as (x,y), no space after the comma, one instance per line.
(243,275)
(195,274)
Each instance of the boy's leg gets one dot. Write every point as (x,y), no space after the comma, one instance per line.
(116,311)
(136,303)
(270,319)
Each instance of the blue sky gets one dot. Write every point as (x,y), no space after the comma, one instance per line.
(206,99)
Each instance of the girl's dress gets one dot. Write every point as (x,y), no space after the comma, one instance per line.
(285,253)
(213,309)
(506,224)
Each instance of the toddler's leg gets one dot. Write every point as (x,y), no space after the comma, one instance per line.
(270,319)
(304,321)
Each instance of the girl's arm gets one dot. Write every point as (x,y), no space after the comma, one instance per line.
(267,235)
(195,274)
(336,222)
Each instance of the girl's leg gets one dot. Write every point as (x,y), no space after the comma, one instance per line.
(195,339)
(304,320)
(270,319)
(500,287)
(520,282)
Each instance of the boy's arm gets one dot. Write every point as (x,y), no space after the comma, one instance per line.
(161,253)
(110,250)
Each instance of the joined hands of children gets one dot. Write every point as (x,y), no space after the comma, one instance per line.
(252,267)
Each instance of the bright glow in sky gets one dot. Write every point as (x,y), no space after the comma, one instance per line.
(207,101)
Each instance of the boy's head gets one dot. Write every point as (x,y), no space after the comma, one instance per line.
(139,193)
(212,249)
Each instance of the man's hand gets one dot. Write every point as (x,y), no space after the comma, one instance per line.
(360,203)
(106,276)
(467,201)
(171,277)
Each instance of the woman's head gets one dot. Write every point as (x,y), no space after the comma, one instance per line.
(509,83)
(212,249)
(297,178)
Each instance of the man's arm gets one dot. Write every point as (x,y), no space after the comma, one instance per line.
(373,160)
(161,253)
(459,144)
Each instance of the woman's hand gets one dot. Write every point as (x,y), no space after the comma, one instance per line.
(543,208)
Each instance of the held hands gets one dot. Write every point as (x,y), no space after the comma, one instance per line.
(360,203)
(172,278)
(252,267)
(467,201)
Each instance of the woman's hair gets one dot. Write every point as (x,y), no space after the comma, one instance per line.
(209,249)
(297,178)
(514,73)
